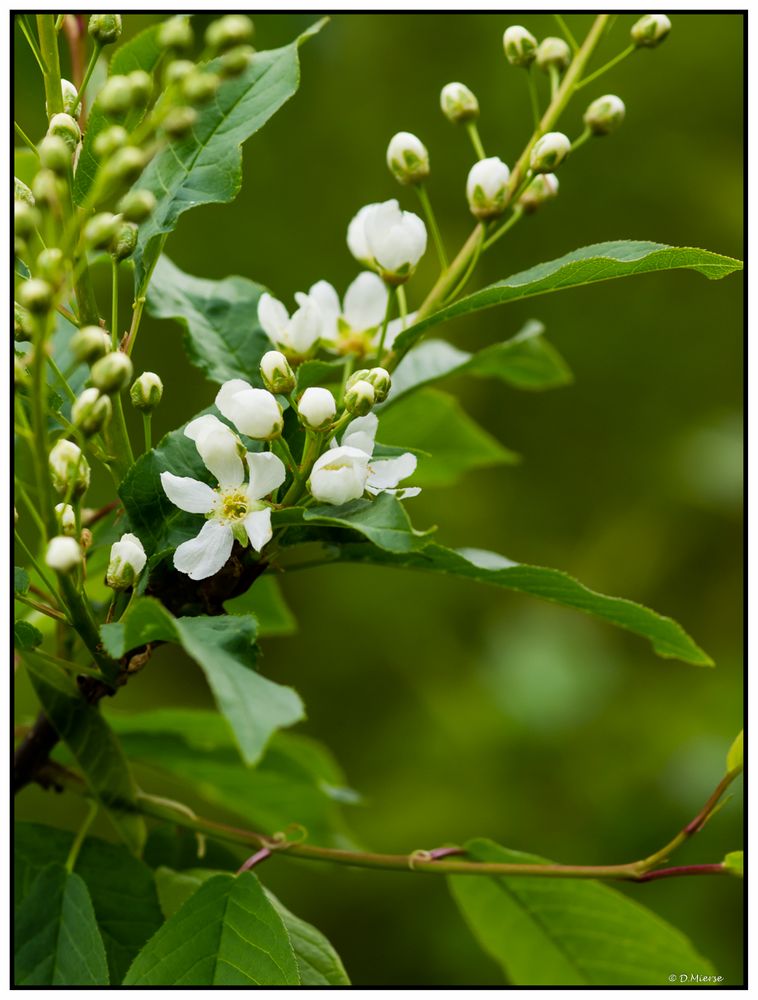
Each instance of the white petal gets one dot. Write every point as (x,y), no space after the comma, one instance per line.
(258,527)
(339,475)
(327,300)
(225,397)
(361,433)
(220,452)
(365,301)
(272,316)
(305,326)
(205,555)
(356,235)
(255,412)
(387,473)
(188,494)
(394,327)
(196,428)
(267,472)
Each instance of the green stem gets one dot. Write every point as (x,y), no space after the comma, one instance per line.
(30,507)
(39,423)
(514,218)
(25,138)
(469,271)
(310,454)
(385,324)
(48,45)
(566,31)
(73,854)
(347,371)
(119,444)
(33,560)
(83,620)
(61,378)
(555,81)
(609,65)
(402,305)
(88,72)
(423,196)
(41,608)
(476,140)
(147,421)
(114,303)
(533,98)
(75,669)
(580,141)
(32,41)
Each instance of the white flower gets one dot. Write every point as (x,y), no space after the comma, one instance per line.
(63,554)
(317,408)
(348,327)
(126,562)
(407,158)
(387,239)
(69,468)
(64,515)
(339,475)
(487,187)
(550,150)
(254,412)
(295,334)
(235,509)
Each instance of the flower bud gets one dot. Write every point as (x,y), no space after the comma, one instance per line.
(199,87)
(228,31)
(91,412)
(109,140)
(549,151)
(317,408)
(51,265)
(25,219)
(36,295)
(124,242)
(520,45)
(21,192)
(650,30)
(177,70)
(553,53)
(179,121)
(255,412)
(89,344)
(142,87)
(136,206)
(362,373)
(20,370)
(458,103)
(387,239)
(407,158)
(55,154)
(236,60)
(69,469)
(112,373)
(66,128)
(115,99)
(605,114)
(126,562)
(46,187)
(105,29)
(63,554)
(71,103)
(487,187)
(360,398)
(65,518)
(277,374)
(123,167)
(100,230)
(542,189)
(176,33)
(146,392)
(380,379)
(22,323)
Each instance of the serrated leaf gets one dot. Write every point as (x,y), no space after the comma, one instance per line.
(434,422)
(734,862)
(734,757)
(94,747)
(585,266)
(667,638)
(568,932)
(26,636)
(121,887)
(57,942)
(265,601)
(226,934)
(20,581)
(224,648)
(206,166)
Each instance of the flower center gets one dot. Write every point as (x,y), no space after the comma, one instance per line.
(234,505)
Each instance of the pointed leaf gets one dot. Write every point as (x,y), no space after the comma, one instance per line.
(266,602)
(734,757)
(734,862)
(20,581)
(26,636)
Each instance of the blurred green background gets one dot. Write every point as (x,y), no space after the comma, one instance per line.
(458,710)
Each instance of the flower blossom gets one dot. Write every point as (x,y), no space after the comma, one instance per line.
(388,240)
(295,335)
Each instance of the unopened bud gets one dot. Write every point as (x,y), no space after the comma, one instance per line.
(100,230)
(179,121)
(126,562)
(105,29)
(650,30)
(21,192)
(176,33)
(51,265)
(277,374)
(487,188)
(407,158)
(136,206)
(199,87)
(69,469)
(228,31)
(146,392)
(71,103)
(142,87)
(63,554)
(542,189)
(109,140)
(22,323)
(36,295)
(362,373)
(115,99)
(55,154)
(360,398)
(89,344)
(46,187)
(112,373)
(458,103)
(123,168)
(124,242)
(91,412)
(65,518)
(380,379)
(177,70)
(520,45)
(605,114)
(66,128)
(236,60)
(553,53)
(25,219)
(317,408)
(549,151)
(20,370)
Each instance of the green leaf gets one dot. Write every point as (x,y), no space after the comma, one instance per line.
(526,361)
(22,269)
(94,747)
(141,52)
(734,757)
(26,636)
(220,318)
(434,422)
(224,647)
(121,887)
(585,266)
(568,932)
(734,862)
(266,602)
(318,372)
(206,166)
(667,638)
(20,581)
(226,934)
(383,521)
(297,779)
(56,935)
